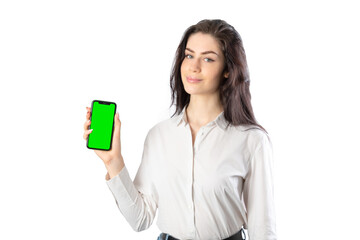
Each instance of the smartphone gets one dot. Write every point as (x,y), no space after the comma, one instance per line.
(102,123)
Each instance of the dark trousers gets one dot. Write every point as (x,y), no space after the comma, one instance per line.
(238,236)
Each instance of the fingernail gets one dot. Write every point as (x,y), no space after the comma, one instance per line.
(90,130)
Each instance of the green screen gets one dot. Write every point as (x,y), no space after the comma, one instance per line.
(102,120)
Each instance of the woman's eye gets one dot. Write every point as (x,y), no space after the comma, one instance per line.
(208,60)
(188,56)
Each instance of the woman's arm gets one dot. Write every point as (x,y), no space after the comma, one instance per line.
(259,193)
(138,209)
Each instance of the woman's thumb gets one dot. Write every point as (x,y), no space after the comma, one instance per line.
(117,125)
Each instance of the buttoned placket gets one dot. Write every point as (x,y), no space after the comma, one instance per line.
(198,139)
(191,185)
(194,152)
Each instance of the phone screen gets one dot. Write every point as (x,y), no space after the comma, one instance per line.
(102,123)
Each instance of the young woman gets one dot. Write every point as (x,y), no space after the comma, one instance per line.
(208,171)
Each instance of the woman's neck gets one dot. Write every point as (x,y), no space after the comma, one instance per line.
(203,109)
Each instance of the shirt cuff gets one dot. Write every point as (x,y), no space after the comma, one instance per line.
(107,176)
(122,187)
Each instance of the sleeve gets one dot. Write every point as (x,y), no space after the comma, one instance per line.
(259,193)
(138,208)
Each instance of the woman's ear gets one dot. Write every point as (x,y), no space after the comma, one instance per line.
(226,74)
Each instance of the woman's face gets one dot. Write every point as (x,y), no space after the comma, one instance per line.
(203,65)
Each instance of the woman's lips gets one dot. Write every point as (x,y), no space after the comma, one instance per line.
(193,80)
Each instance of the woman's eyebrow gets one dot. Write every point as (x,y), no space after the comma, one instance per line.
(206,52)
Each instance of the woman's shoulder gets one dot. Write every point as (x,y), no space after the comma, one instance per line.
(254,135)
(163,126)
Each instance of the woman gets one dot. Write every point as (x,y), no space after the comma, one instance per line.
(208,170)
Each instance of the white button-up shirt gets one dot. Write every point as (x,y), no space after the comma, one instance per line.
(206,191)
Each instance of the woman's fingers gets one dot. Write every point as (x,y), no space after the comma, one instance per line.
(86,133)
(87,124)
(88,112)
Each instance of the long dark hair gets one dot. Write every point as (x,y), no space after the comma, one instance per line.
(234,91)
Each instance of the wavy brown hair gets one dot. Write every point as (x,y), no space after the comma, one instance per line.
(234,91)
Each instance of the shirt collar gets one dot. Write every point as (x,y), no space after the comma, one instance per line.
(219,120)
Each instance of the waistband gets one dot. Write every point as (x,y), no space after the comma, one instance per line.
(238,236)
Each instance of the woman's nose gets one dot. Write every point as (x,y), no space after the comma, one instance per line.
(195,65)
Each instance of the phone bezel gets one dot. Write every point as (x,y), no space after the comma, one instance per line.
(113,125)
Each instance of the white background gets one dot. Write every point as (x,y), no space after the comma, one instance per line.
(57,56)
